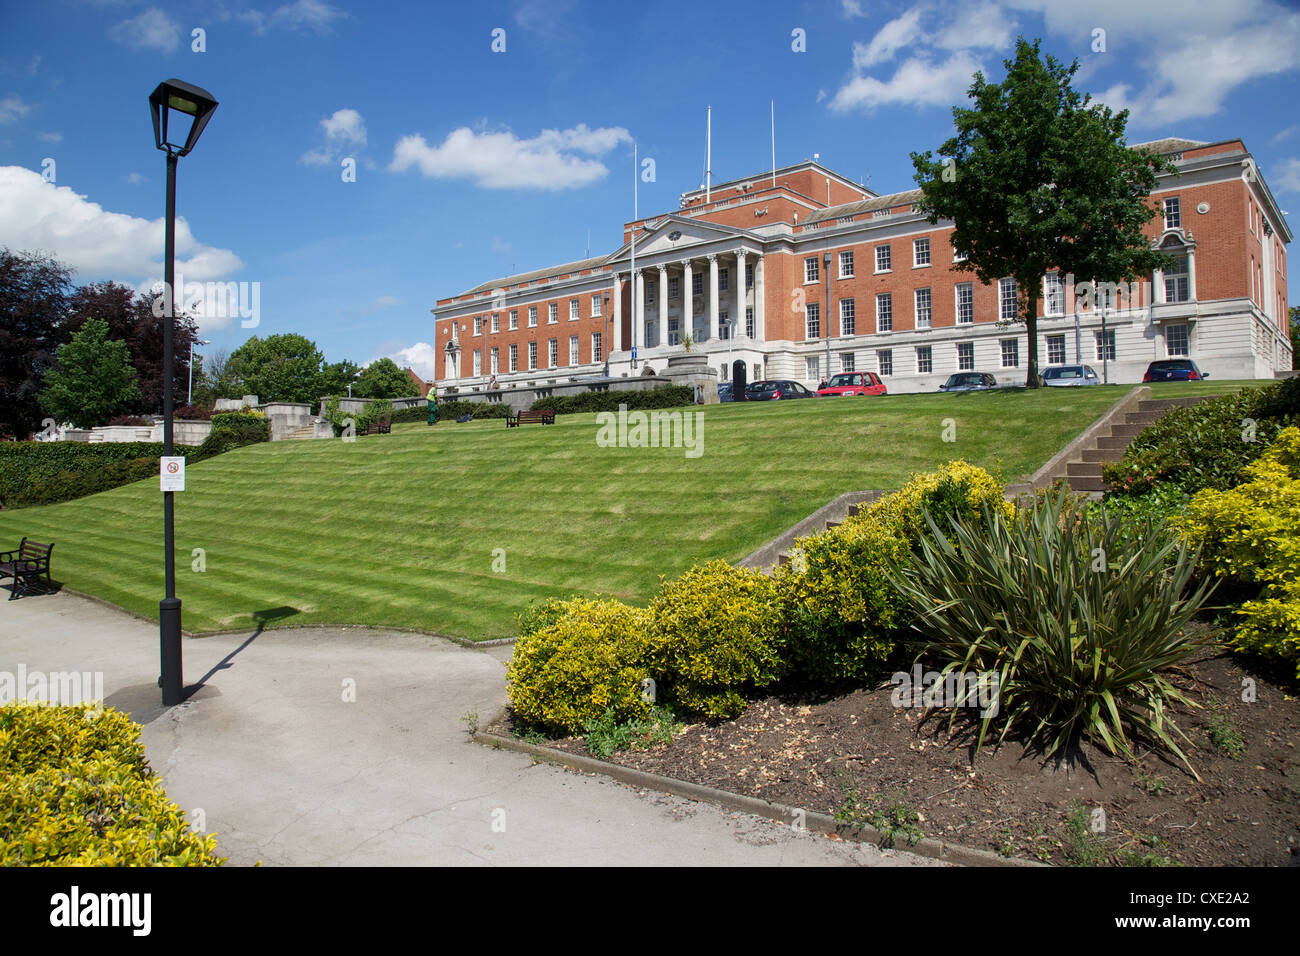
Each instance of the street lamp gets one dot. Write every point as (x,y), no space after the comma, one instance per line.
(609,326)
(198,104)
(189,396)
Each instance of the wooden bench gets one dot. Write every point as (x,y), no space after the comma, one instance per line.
(28,564)
(381,427)
(543,416)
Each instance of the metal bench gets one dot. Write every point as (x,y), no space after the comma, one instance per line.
(543,416)
(29,563)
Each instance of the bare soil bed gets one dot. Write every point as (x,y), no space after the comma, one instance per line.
(858,750)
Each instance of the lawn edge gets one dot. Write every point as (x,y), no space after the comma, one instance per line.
(815,821)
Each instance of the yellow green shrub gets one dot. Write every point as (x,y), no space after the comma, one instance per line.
(717,636)
(76,790)
(1251,534)
(590,659)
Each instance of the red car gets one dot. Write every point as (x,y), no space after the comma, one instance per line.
(854,383)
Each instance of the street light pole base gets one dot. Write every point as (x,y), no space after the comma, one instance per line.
(169,628)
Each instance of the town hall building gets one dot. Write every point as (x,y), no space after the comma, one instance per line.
(803,273)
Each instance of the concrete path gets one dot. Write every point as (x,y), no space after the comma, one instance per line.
(345,746)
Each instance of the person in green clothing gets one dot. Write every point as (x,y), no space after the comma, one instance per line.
(433,407)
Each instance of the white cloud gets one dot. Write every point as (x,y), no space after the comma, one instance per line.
(135,179)
(150,30)
(36,215)
(380,303)
(852,8)
(500,245)
(503,161)
(50,137)
(1288,176)
(976,26)
(421,358)
(311,15)
(893,36)
(12,109)
(917,82)
(1286,133)
(344,130)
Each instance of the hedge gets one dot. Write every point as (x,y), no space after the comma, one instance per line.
(76,790)
(665,396)
(450,411)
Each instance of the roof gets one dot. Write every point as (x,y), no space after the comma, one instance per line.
(563,269)
(762,180)
(1172,144)
(864,205)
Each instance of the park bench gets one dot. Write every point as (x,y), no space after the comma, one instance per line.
(382,427)
(28,564)
(543,416)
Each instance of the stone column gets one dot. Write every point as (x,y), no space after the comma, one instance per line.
(617,342)
(688,283)
(638,310)
(759,330)
(713,296)
(1158,281)
(738,327)
(663,305)
(1191,279)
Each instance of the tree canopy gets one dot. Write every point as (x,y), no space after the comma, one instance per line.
(34,291)
(383,379)
(93,380)
(1037,179)
(278,368)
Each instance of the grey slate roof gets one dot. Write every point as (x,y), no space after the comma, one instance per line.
(567,268)
(864,205)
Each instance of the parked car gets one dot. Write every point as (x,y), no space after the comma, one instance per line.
(854,383)
(772,390)
(969,382)
(1070,376)
(1174,370)
(724,392)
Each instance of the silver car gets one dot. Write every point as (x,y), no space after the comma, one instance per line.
(1070,376)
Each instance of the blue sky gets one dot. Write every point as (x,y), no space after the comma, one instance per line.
(472,163)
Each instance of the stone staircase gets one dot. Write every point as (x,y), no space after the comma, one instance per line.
(1084,473)
(299,433)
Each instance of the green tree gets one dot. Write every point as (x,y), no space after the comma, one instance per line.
(1036,180)
(337,376)
(383,379)
(34,292)
(278,368)
(93,380)
(1293,316)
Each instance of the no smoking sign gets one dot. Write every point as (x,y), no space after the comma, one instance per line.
(171,473)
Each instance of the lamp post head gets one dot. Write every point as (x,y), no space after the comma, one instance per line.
(193,101)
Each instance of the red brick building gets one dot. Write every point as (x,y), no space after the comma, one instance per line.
(788,269)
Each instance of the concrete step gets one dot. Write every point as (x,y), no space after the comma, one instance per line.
(299,434)
(1103,454)
(1109,442)
(833,524)
(1164,404)
(1081,483)
(783,558)
(853,509)
(1126,431)
(1083,469)
(1142,418)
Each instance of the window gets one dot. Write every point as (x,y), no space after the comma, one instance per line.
(532,316)
(1056,350)
(697,283)
(1053,294)
(650,292)
(553,353)
(811,270)
(957,256)
(749,322)
(1176,340)
(882,258)
(496,322)
(1178,281)
(723,280)
(597,355)
(514,319)
(1007,300)
(532,355)
(965,303)
(812,368)
(674,287)
(848,319)
(573,350)
(1010,353)
(965,356)
(921,252)
(1173,215)
(495,360)
(1105,345)
(596,306)
(478,325)
(552,313)
(478,362)
(885,361)
(884,312)
(814,312)
(924,360)
(514,358)
(573,310)
(749,277)
(846,264)
(847,362)
(724,325)
(923,314)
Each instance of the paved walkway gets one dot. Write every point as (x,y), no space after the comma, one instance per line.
(287,770)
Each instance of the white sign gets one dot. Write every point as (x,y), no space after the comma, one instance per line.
(171,471)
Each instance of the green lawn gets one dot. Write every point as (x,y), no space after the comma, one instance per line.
(401,529)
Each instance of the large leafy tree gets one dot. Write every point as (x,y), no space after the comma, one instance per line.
(337,376)
(278,368)
(130,319)
(383,378)
(1038,179)
(34,291)
(93,380)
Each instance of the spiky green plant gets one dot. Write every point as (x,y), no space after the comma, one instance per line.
(1081,619)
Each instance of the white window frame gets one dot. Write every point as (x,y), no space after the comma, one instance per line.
(575,308)
(885,320)
(553,353)
(478,361)
(1108,343)
(1053,294)
(1055,340)
(812,320)
(884,254)
(532,355)
(846,264)
(885,362)
(1174,221)
(532,316)
(1185,336)
(574,347)
(965,356)
(514,319)
(923,306)
(597,308)
(924,360)
(811,270)
(966,289)
(597,348)
(848,361)
(1011,346)
(514,357)
(552,313)
(1007,301)
(920,252)
(849,314)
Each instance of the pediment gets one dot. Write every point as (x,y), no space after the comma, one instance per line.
(676,234)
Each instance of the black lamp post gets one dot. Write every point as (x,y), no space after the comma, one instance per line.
(609,325)
(198,104)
